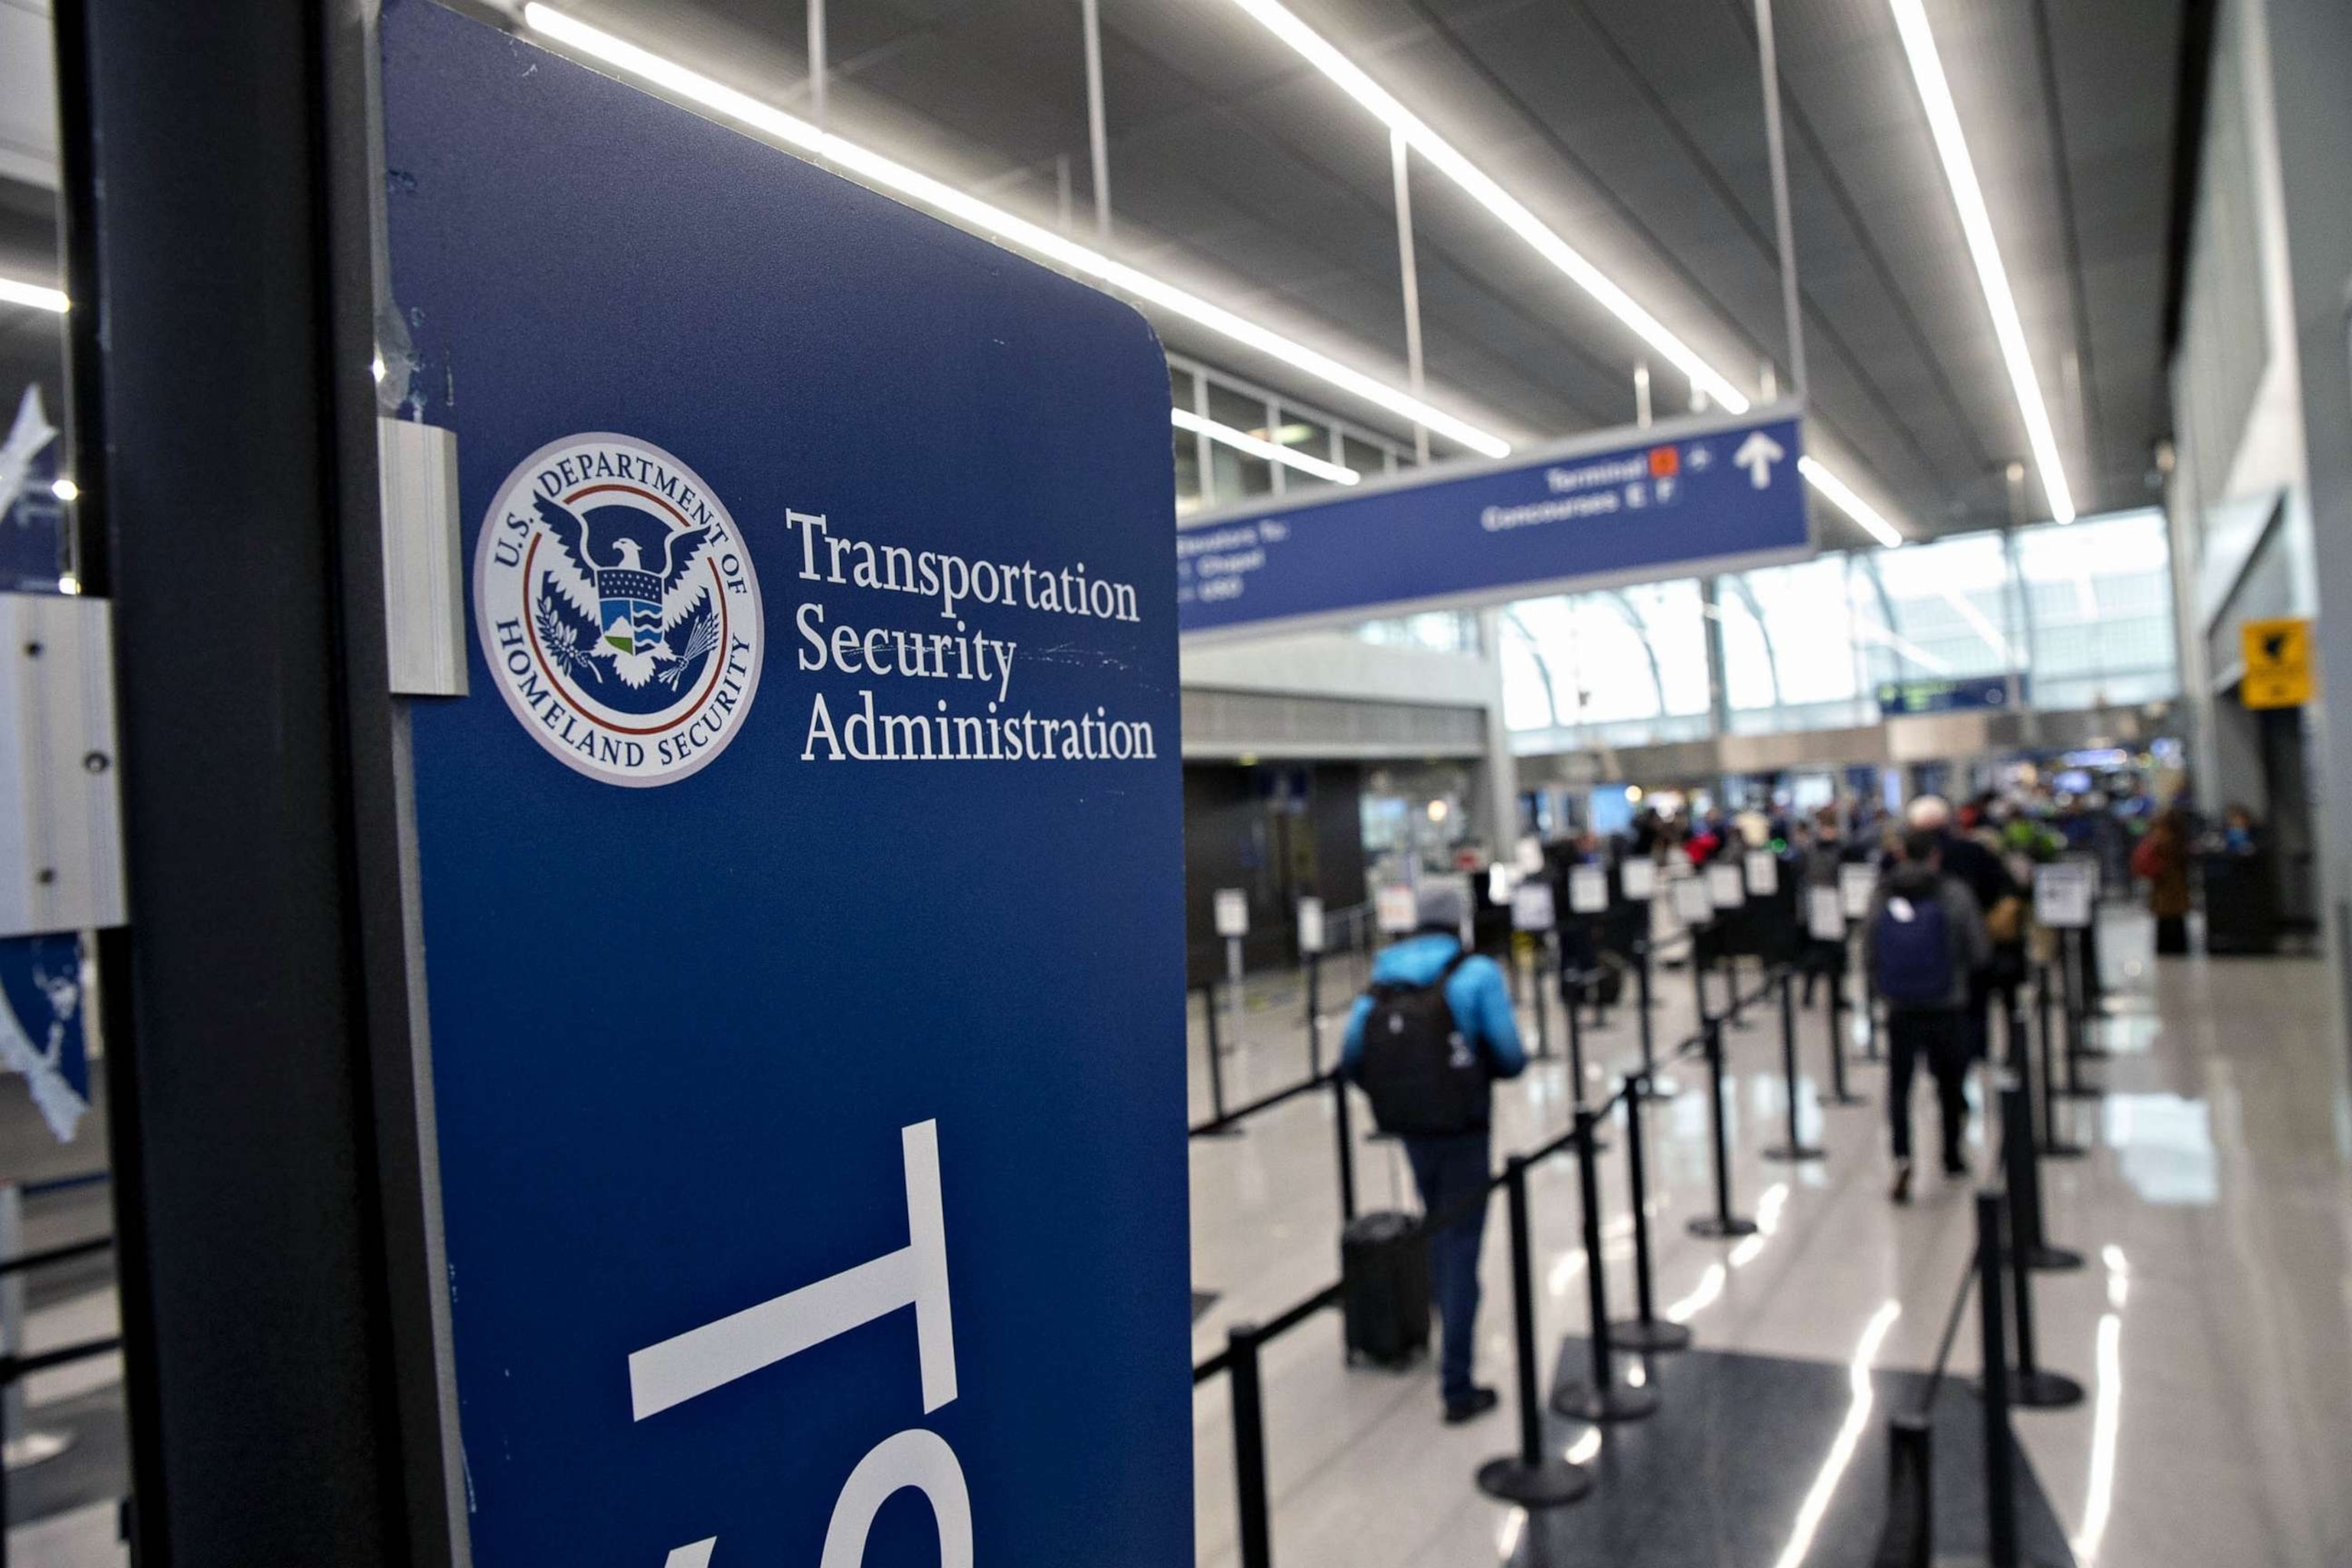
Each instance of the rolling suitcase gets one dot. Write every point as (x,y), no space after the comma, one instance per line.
(1385,1296)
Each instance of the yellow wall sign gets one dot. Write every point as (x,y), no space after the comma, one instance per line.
(2278,664)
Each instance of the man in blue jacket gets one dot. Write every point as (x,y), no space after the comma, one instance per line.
(1442,1119)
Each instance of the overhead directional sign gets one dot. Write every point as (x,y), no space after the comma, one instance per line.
(1975,694)
(803,876)
(1682,495)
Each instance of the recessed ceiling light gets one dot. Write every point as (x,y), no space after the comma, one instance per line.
(885,174)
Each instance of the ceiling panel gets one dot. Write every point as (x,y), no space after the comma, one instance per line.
(1633,128)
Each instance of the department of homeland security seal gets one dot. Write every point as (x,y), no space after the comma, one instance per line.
(617,608)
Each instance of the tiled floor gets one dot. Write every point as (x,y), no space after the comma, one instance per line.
(2212,1326)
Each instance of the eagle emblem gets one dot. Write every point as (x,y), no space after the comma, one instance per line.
(629,610)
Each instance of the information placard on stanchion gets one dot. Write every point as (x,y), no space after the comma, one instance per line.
(1588,889)
(1310,924)
(1725,889)
(1857,885)
(1638,880)
(1763,874)
(2065,893)
(1824,914)
(1531,907)
(1396,910)
(1692,903)
(1233,913)
(731,1293)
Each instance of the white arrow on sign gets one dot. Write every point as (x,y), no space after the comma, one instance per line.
(1756,455)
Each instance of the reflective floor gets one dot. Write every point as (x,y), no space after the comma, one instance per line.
(2212,1326)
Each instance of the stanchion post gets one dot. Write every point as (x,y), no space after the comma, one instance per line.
(1256,1520)
(1546,965)
(1722,1222)
(1646,1332)
(1602,1398)
(2052,1146)
(2023,1171)
(1531,1478)
(1796,1148)
(1217,1067)
(1235,990)
(1345,1137)
(1652,1088)
(1839,1093)
(2033,1386)
(2000,1459)
(1314,1015)
(2070,1009)
(1575,1052)
(1910,1487)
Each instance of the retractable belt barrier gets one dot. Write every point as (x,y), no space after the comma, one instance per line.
(16,1364)
(1529,1476)
(2000,1279)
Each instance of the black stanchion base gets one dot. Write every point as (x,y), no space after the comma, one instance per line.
(2045,1390)
(2081,1092)
(2052,1259)
(1792,1153)
(2062,1150)
(1716,1227)
(1653,1338)
(1619,1402)
(1846,1102)
(1232,1130)
(2088,1053)
(1555,1483)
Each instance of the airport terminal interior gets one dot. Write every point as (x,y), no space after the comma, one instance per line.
(1667,848)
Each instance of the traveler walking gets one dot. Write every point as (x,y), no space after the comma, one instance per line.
(1924,941)
(1981,872)
(1424,1043)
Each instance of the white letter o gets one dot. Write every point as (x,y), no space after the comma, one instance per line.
(917,1458)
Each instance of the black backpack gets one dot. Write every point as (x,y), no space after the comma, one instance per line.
(1423,1076)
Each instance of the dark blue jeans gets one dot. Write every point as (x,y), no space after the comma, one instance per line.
(1446,1170)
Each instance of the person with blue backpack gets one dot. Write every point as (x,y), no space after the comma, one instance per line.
(1424,1043)
(1925,942)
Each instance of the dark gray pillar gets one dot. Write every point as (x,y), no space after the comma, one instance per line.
(280,1367)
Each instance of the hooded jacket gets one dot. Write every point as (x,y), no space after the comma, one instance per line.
(1477,996)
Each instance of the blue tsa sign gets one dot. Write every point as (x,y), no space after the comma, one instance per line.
(801,877)
(1681,496)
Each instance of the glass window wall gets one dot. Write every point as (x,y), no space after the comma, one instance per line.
(2081,615)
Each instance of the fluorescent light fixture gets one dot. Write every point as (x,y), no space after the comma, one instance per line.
(1841,494)
(32,296)
(1976,223)
(1241,440)
(1481,188)
(885,173)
